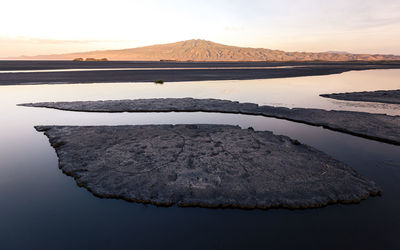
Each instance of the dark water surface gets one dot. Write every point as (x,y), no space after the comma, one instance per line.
(41,208)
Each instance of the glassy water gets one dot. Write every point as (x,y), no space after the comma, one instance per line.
(41,208)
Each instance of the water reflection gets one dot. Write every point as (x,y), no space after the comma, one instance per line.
(288,92)
(42,208)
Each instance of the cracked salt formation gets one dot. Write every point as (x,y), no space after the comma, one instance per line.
(378,127)
(383,96)
(203,165)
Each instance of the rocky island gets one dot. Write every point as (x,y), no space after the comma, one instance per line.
(378,127)
(383,96)
(203,165)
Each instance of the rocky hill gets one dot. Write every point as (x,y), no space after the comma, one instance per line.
(202,50)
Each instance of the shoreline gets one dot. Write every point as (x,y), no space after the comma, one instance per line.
(183,71)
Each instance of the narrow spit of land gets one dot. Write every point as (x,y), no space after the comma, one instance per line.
(192,72)
(378,127)
(383,96)
(203,165)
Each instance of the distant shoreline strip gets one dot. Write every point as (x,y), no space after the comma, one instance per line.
(138,69)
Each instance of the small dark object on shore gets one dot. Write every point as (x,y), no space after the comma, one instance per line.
(159,81)
(296,142)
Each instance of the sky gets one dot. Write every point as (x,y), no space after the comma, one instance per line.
(50,27)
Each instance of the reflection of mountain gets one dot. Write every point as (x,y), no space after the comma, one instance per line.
(201,50)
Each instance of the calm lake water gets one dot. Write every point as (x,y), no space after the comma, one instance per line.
(41,208)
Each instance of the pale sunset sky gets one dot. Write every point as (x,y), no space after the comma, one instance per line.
(49,27)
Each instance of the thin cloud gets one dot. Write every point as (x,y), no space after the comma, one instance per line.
(33,40)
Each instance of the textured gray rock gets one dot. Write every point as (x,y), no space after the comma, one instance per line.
(384,96)
(203,165)
(379,127)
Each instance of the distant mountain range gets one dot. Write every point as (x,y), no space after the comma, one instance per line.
(202,50)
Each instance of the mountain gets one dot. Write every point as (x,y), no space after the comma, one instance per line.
(202,50)
(338,52)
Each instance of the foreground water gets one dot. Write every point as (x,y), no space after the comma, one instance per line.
(41,208)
